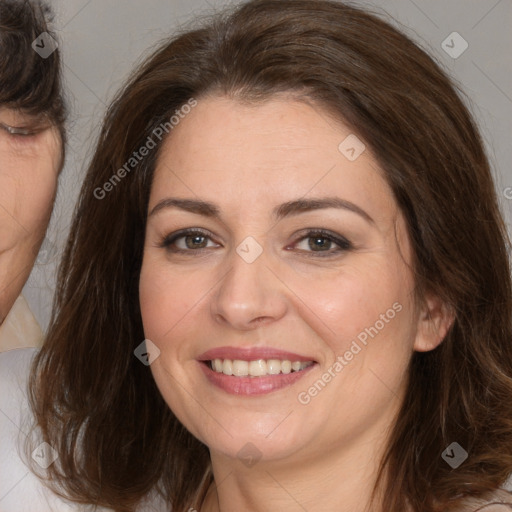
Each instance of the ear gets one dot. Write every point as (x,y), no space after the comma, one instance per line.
(434,320)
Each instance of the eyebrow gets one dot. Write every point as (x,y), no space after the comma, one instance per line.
(287,209)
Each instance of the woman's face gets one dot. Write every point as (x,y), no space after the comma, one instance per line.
(29,167)
(257,289)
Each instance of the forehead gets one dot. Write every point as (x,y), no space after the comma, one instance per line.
(267,152)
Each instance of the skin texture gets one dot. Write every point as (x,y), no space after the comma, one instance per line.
(247,159)
(29,167)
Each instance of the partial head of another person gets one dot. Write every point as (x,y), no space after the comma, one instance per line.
(32,140)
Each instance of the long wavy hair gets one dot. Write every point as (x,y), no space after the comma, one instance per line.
(99,407)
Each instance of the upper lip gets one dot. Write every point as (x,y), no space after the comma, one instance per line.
(251,354)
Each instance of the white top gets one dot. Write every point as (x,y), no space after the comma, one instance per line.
(20,489)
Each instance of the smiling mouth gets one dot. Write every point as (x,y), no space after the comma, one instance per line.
(257,368)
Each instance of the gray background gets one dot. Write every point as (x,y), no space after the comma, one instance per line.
(101,41)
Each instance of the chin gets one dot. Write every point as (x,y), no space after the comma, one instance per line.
(269,439)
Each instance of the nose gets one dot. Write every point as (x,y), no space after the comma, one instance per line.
(249,295)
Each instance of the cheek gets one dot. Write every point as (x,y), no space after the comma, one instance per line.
(354,299)
(38,203)
(373,325)
(27,190)
(168,300)
(370,336)
(40,185)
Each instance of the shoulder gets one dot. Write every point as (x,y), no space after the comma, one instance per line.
(20,489)
(14,372)
(17,359)
(497,501)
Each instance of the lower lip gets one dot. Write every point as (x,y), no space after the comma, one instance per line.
(252,385)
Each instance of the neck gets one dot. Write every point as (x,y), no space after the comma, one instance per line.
(341,478)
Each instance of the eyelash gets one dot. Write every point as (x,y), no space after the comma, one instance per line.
(18,135)
(342,243)
(17,131)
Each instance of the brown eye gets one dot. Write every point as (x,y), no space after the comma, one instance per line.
(319,243)
(322,243)
(195,241)
(191,240)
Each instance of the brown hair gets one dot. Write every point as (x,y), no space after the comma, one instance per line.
(99,407)
(29,82)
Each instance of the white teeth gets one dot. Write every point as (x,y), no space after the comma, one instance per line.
(240,368)
(257,368)
(226,367)
(286,366)
(296,366)
(273,366)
